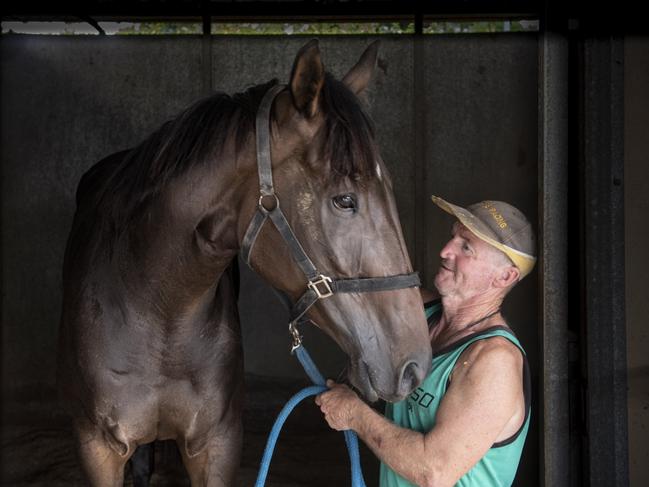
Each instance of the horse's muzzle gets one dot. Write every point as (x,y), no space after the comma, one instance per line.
(379,382)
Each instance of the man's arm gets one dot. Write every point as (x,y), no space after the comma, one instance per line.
(400,448)
(484,397)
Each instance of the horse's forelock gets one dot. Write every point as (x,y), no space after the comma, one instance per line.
(349,132)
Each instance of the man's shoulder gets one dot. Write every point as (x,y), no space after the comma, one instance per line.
(495,350)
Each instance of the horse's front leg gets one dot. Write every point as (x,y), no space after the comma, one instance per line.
(102,464)
(217,463)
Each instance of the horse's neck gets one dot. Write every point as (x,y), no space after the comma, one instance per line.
(184,242)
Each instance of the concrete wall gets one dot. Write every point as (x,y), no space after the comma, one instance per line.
(636,204)
(456,116)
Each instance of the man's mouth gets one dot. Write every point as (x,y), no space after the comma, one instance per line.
(442,266)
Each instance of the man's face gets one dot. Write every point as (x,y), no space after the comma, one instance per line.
(468,265)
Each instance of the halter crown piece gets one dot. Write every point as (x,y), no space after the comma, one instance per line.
(319,286)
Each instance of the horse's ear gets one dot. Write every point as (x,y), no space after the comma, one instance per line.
(359,76)
(307,78)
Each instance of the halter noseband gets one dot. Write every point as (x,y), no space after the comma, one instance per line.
(319,285)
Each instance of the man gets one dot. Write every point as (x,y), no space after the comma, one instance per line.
(467,422)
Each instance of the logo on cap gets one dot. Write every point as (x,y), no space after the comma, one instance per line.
(500,220)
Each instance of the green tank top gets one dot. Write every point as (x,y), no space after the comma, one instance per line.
(498,466)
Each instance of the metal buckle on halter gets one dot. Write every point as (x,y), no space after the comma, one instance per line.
(322,280)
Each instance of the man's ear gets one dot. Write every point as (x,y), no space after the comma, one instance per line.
(307,78)
(360,75)
(507,276)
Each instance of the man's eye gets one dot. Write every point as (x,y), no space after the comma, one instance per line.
(345,202)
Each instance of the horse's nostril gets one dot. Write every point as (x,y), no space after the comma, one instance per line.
(409,376)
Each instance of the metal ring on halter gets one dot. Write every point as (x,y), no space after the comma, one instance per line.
(295,334)
(262,207)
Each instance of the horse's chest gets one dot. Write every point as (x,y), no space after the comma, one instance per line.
(155,408)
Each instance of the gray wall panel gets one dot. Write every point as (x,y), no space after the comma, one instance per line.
(481,142)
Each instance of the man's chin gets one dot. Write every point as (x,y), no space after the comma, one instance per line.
(440,284)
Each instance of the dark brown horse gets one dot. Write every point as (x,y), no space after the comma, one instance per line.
(150,345)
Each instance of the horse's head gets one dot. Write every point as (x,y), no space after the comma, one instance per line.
(337,197)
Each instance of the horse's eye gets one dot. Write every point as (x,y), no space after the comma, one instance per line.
(346,202)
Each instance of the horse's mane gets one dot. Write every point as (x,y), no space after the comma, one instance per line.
(198,134)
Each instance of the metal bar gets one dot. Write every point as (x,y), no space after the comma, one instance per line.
(553,263)
(207,20)
(206,54)
(93,23)
(603,159)
(419,18)
(419,156)
(161,8)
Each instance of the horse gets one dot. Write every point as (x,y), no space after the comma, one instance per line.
(150,346)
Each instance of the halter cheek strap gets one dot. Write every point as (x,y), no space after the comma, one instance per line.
(319,286)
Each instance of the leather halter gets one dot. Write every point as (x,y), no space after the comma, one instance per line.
(319,285)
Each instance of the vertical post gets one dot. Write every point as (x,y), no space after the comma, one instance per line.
(207,21)
(419,18)
(605,325)
(206,46)
(553,262)
(419,129)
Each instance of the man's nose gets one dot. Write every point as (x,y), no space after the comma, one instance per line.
(447,250)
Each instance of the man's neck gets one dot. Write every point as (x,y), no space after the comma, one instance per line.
(458,311)
(461,317)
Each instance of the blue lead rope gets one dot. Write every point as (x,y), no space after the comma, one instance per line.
(350,437)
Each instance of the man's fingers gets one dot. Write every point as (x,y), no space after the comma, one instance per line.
(320,398)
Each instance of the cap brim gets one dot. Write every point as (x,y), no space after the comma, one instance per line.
(461,213)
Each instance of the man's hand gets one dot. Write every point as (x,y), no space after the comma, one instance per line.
(340,406)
